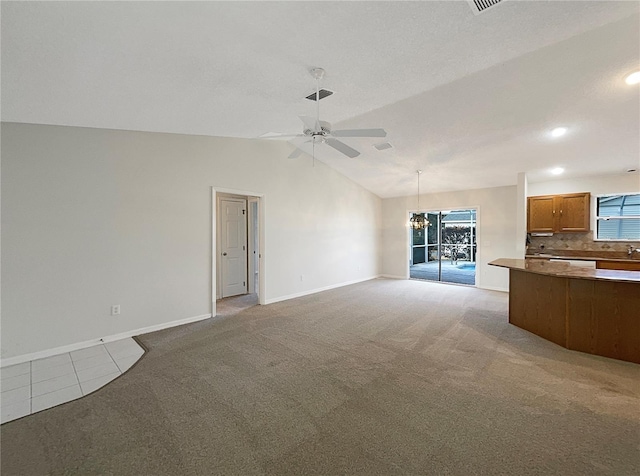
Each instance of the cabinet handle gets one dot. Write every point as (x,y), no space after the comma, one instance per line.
(560,212)
(554,212)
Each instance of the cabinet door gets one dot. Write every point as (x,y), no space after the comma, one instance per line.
(573,212)
(540,214)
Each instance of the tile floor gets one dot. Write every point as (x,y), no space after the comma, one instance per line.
(40,384)
(461,273)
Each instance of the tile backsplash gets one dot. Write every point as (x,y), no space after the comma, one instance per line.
(578,242)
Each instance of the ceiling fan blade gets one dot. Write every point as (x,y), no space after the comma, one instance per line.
(298,151)
(310,123)
(359,133)
(342,147)
(295,154)
(277,135)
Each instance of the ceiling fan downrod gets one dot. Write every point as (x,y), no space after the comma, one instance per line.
(318,74)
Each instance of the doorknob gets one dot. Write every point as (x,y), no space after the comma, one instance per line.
(224,254)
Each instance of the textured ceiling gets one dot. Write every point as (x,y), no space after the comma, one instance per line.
(467,98)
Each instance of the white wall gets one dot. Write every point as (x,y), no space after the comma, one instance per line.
(94,217)
(597,185)
(521,215)
(497,230)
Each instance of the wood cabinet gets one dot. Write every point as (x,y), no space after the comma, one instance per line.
(559,213)
(594,316)
(541,215)
(621,265)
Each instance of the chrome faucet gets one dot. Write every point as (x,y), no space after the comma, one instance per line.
(630,250)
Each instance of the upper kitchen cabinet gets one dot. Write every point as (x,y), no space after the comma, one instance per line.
(541,214)
(559,213)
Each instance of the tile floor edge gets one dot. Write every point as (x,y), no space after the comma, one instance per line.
(144,349)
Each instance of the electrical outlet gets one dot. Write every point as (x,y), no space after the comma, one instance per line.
(301,278)
(115,310)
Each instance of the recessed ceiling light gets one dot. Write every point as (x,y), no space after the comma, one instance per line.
(559,131)
(633,78)
(557,171)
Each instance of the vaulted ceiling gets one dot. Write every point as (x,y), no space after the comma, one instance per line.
(467,98)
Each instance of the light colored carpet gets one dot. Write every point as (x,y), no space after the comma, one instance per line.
(383,377)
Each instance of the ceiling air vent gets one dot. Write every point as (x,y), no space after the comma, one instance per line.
(383,146)
(478,6)
(323,94)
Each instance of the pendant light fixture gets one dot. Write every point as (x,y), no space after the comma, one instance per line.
(418,220)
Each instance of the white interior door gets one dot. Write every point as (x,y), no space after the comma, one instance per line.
(233,246)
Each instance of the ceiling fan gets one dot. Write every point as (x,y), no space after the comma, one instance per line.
(316,131)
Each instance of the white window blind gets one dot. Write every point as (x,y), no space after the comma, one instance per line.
(618,217)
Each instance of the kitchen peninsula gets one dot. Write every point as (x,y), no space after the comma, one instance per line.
(596,311)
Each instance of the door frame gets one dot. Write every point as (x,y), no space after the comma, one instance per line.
(252,248)
(215,190)
(243,202)
(437,210)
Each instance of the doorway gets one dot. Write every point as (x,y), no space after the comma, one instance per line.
(446,250)
(237,251)
(233,246)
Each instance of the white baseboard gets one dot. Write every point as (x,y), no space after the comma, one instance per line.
(318,290)
(89,343)
(392,276)
(492,288)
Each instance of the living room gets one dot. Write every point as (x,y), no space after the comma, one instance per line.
(122,123)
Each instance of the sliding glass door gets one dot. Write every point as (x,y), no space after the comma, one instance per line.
(446,250)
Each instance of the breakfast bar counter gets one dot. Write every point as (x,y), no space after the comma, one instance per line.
(555,268)
(596,311)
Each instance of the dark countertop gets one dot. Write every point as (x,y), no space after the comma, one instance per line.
(566,270)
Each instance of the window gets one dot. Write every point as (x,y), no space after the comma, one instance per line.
(618,217)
